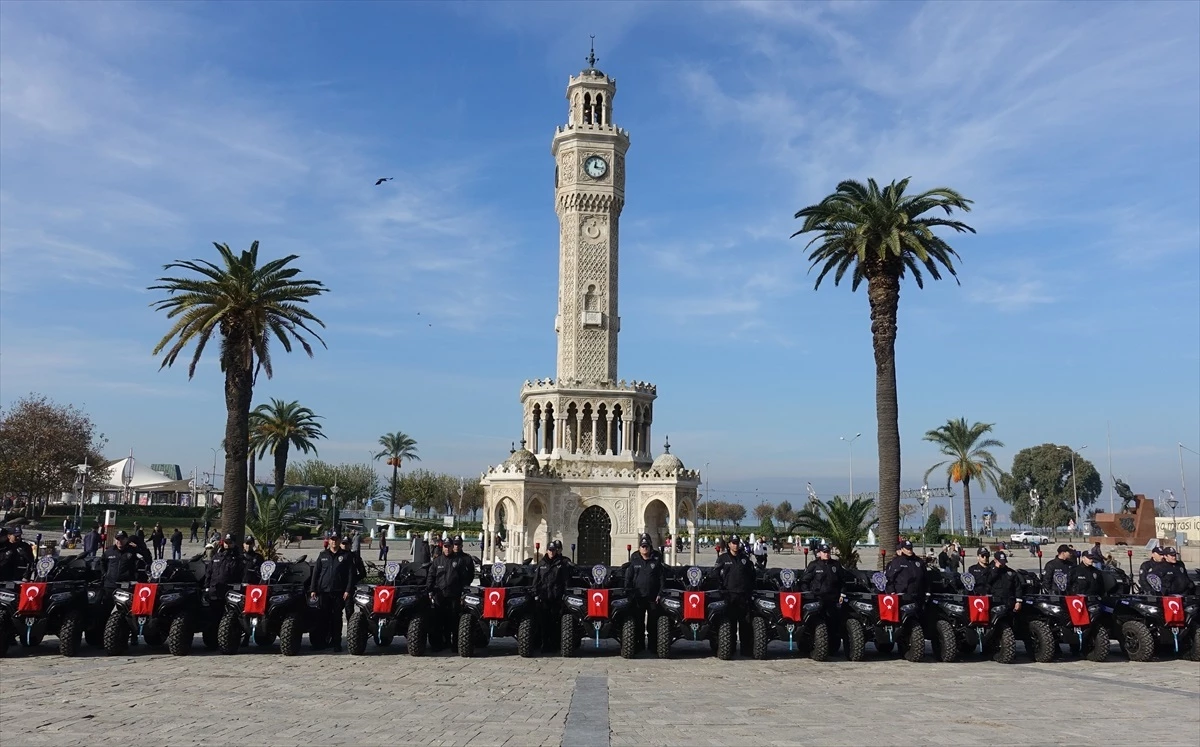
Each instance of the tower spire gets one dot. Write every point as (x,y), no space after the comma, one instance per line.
(592,58)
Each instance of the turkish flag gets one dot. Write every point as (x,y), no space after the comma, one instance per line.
(981,609)
(256,600)
(889,608)
(33,597)
(693,605)
(790,605)
(493,602)
(1077,606)
(143,599)
(1173,611)
(598,603)
(385,597)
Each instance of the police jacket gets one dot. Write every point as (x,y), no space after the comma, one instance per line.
(983,576)
(333,573)
(1086,580)
(1063,567)
(10,562)
(644,576)
(551,578)
(1149,565)
(1175,580)
(177,539)
(139,548)
(905,575)
(736,572)
(120,565)
(224,568)
(250,563)
(823,577)
(468,568)
(1004,583)
(25,557)
(446,576)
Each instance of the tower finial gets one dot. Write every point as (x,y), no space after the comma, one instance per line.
(667,445)
(591,58)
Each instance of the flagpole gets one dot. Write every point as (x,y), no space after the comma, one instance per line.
(1111,505)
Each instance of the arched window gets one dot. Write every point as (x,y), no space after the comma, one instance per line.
(587,108)
(599,109)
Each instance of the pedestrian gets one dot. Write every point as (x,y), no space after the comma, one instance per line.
(176,544)
(356,543)
(195,527)
(92,542)
(158,540)
(383,547)
(331,584)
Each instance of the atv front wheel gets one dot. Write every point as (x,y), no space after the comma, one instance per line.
(629,636)
(466,636)
(1137,641)
(1044,643)
(1004,644)
(1195,653)
(70,633)
(945,642)
(414,636)
(356,634)
(568,635)
(915,649)
(1099,644)
(662,637)
(290,635)
(229,633)
(758,638)
(725,642)
(525,638)
(179,636)
(116,634)
(820,642)
(856,640)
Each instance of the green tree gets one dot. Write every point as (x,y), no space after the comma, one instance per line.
(766,528)
(764,510)
(397,447)
(1047,469)
(880,236)
(271,517)
(278,427)
(940,512)
(357,483)
(245,304)
(472,497)
(969,458)
(784,513)
(841,524)
(933,529)
(735,512)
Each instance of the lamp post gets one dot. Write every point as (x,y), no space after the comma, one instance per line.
(1035,500)
(850,442)
(922,499)
(1075,483)
(1182,479)
(80,486)
(1173,504)
(707,493)
(333,492)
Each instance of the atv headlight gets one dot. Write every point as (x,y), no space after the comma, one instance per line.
(956,609)
(1190,609)
(518,601)
(402,601)
(471,601)
(121,595)
(61,596)
(92,594)
(618,603)
(172,597)
(810,607)
(279,598)
(1149,609)
(362,598)
(235,597)
(1094,608)
(574,602)
(7,596)
(769,604)
(1053,609)
(672,604)
(910,607)
(715,605)
(999,610)
(862,606)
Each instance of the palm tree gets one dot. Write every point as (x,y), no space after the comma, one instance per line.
(268,520)
(969,458)
(840,524)
(246,305)
(397,447)
(879,236)
(279,426)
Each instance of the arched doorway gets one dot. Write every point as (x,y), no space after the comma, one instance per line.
(595,537)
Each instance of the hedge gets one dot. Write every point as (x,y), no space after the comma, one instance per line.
(91,511)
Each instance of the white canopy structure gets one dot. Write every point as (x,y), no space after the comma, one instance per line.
(143,476)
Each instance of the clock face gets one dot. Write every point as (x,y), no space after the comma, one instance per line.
(595,166)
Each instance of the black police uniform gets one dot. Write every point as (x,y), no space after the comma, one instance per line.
(332,576)
(1175,580)
(825,579)
(250,562)
(224,568)
(10,561)
(1004,584)
(643,586)
(1148,566)
(1057,565)
(550,586)
(120,566)
(982,575)
(905,575)
(445,579)
(737,580)
(1086,580)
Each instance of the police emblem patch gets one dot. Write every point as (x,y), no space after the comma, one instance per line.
(968,581)
(157,568)
(390,571)
(266,570)
(879,579)
(787,577)
(1155,581)
(1060,580)
(45,564)
(694,576)
(599,574)
(497,571)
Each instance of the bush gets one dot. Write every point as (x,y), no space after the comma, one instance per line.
(124,511)
(933,530)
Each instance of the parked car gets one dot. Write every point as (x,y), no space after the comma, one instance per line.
(1030,538)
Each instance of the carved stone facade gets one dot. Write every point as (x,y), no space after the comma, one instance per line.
(588,434)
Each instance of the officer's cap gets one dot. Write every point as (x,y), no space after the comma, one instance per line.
(823,547)
(1170,551)
(735,540)
(122,535)
(457,541)
(229,537)
(17,531)
(645,541)
(1063,548)
(1001,556)
(906,545)
(555,545)
(1157,550)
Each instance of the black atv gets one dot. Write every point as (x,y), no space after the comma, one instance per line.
(865,599)
(277,606)
(1049,619)
(170,606)
(502,606)
(957,621)
(693,609)
(1141,622)
(63,599)
(398,606)
(597,606)
(782,612)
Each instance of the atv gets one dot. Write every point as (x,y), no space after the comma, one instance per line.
(884,619)
(695,611)
(1049,619)
(958,621)
(276,606)
(170,606)
(597,606)
(782,612)
(398,606)
(63,599)
(502,606)
(1145,622)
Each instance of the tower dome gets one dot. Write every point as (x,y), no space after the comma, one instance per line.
(666,461)
(523,459)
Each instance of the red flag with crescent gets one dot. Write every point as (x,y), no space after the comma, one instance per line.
(693,605)
(598,603)
(889,608)
(256,599)
(385,597)
(33,598)
(790,605)
(143,599)
(493,602)
(1173,611)
(1077,607)
(981,610)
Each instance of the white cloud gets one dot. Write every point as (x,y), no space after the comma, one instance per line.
(1012,295)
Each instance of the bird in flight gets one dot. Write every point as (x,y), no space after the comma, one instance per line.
(381,181)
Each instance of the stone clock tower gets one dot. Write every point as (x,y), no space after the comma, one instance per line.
(585,473)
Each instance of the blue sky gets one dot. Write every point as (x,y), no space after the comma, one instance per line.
(135,134)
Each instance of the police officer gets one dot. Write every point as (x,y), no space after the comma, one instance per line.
(1148,566)
(251,560)
(120,563)
(1004,583)
(643,587)
(224,568)
(735,568)
(981,571)
(26,557)
(445,580)
(1086,578)
(1175,580)
(1063,563)
(905,573)
(549,587)
(825,576)
(10,558)
(331,584)
(468,563)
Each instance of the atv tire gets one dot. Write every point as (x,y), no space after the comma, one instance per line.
(1137,641)
(116,634)
(1045,645)
(229,633)
(208,635)
(725,642)
(466,636)
(414,636)
(356,634)
(629,637)
(1004,643)
(914,651)
(1099,644)
(856,640)
(662,637)
(70,633)
(179,636)
(525,638)
(758,638)
(945,642)
(1195,653)
(819,650)
(290,635)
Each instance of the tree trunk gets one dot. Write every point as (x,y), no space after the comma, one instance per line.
(395,487)
(967,503)
(239,391)
(250,464)
(883,292)
(281,457)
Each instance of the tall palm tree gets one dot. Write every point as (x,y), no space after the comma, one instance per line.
(269,519)
(969,458)
(840,524)
(397,447)
(277,427)
(246,305)
(880,236)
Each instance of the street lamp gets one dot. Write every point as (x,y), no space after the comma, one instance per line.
(333,492)
(1173,504)
(922,499)
(80,486)
(851,441)
(707,493)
